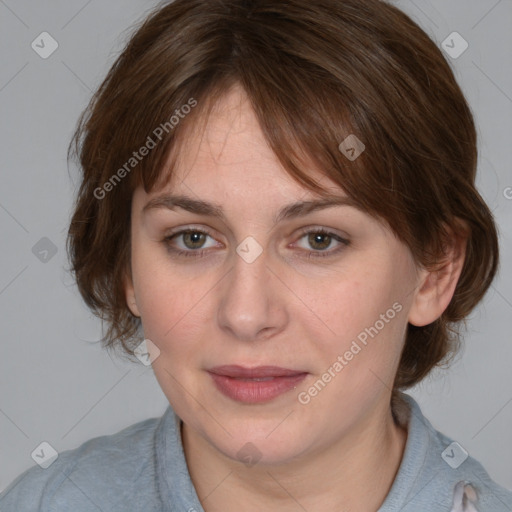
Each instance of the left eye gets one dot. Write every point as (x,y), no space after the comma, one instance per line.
(321,240)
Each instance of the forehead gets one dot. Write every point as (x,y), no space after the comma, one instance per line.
(227,151)
(225,169)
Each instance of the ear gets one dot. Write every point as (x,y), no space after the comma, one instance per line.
(129,291)
(437,286)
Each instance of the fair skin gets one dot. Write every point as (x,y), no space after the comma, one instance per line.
(342,450)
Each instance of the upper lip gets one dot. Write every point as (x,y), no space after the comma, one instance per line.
(255,372)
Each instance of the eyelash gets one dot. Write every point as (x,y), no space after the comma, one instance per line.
(311,254)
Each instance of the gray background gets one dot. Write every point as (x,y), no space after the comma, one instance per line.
(56,382)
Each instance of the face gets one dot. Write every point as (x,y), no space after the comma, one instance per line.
(321,295)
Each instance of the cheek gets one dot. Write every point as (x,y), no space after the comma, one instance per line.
(174,302)
(171,308)
(347,304)
(360,316)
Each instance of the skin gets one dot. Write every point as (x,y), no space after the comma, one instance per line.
(340,451)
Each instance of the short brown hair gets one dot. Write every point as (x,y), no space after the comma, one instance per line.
(314,72)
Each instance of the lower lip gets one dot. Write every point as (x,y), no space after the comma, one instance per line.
(253,391)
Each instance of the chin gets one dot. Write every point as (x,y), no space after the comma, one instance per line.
(261,451)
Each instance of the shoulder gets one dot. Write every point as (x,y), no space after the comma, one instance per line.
(98,475)
(448,474)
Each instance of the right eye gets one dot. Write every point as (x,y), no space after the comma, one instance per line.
(192,242)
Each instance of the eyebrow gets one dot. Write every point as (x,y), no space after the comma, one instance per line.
(199,207)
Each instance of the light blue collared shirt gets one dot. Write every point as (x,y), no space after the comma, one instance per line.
(143,468)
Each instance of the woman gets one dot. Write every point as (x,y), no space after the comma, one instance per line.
(278,212)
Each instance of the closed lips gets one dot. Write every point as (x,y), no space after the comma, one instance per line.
(259,373)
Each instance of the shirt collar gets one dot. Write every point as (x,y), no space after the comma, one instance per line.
(177,492)
(179,495)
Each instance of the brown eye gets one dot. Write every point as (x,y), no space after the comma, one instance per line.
(319,241)
(190,242)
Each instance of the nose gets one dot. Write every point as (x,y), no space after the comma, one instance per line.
(252,303)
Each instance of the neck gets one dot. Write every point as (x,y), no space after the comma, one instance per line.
(354,474)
